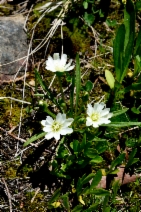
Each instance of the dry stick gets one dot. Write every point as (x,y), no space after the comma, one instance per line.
(21,113)
(8,194)
(18,100)
(36,192)
(35,145)
(24,27)
(12,135)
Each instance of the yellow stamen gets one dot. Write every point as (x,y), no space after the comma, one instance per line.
(95,116)
(56,126)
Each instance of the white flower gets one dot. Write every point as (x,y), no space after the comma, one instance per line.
(57,127)
(56,64)
(98,115)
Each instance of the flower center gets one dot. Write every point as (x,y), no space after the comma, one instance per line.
(58,66)
(95,116)
(56,126)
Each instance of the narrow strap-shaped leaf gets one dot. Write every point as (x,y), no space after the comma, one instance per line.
(118,51)
(122,124)
(72,93)
(55,196)
(119,112)
(127,57)
(131,157)
(129,22)
(96,179)
(78,81)
(117,161)
(134,86)
(138,43)
(34,138)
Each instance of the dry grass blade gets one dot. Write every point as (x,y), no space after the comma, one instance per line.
(8,194)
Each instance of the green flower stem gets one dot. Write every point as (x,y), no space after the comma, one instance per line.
(61,89)
(44,108)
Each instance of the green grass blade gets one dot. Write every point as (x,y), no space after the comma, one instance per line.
(122,124)
(72,93)
(138,44)
(119,112)
(118,51)
(34,138)
(129,22)
(78,82)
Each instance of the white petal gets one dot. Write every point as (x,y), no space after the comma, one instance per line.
(68,122)
(109,115)
(49,135)
(104,121)
(44,122)
(63,59)
(49,120)
(56,56)
(60,118)
(95,125)
(66,131)
(51,68)
(105,112)
(98,106)
(56,135)
(68,64)
(47,128)
(89,109)
(49,60)
(70,68)
(88,121)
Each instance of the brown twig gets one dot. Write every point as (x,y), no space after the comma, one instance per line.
(8,194)
(36,192)
(12,135)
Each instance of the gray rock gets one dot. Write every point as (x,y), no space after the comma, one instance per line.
(13,46)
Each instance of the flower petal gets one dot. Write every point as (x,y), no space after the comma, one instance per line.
(63,59)
(49,61)
(56,135)
(70,68)
(56,56)
(66,131)
(109,115)
(89,121)
(95,125)
(49,135)
(68,122)
(60,118)
(99,106)
(90,109)
(47,128)
(49,119)
(44,122)
(105,112)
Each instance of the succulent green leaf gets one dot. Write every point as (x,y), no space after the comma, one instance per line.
(110,78)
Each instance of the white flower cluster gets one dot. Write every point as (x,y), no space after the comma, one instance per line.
(96,115)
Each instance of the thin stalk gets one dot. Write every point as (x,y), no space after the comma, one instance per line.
(61,89)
